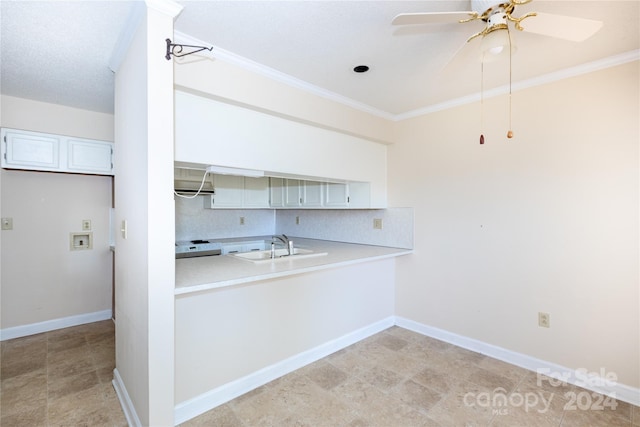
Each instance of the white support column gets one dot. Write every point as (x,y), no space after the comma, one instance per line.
(144,200)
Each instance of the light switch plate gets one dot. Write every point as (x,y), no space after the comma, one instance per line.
(86,225)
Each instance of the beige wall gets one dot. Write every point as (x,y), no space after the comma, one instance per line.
(226,334)
(26,114)
(545,222)
(230,83)
(42,280)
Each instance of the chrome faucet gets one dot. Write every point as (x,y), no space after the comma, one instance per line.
(288,243)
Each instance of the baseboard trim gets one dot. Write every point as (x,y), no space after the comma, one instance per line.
(577,377)
(200,404)
(52,325)
(125,401)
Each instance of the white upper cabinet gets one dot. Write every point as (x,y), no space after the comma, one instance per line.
(256,192)
(238,192)
(312,194)
(89,156)
(55,153)
(336,195)
(276,191)
(302,194)
(229,191)
(28,149)
(298,193)
(292,193)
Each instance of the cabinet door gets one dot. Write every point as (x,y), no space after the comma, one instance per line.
(228,190)
(231,248)
(359,195)
(336,195)
(256,192)
(30,150)
(312,194)
(253,246)
(276,189)
(89,156)
(292,192)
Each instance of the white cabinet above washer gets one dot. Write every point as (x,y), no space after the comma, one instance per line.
(55,153)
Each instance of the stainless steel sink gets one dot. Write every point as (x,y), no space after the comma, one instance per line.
(259,257)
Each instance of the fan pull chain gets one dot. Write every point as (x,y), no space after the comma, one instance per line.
(482,102)
(510,131)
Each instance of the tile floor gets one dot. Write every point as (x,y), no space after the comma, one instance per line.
(60,378)
(399,378)
(396,378)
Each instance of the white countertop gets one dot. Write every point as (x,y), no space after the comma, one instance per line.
(211,272)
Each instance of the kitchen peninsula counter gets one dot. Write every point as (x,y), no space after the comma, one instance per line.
(211,272)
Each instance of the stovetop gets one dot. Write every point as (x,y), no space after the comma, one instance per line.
(196,248)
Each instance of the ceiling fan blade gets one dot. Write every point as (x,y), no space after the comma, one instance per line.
(561,27)
(430,18)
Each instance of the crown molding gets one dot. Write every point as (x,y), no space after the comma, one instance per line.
(270,73)
(589,67)
(247,64)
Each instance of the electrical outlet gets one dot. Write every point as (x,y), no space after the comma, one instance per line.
(377,223)
(297,220)
(86,225)
(544,320)
(7,223)
(241,220)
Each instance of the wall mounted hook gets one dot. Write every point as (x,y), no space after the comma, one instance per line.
(176,49)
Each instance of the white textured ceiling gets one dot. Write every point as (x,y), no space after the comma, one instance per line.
(59,51)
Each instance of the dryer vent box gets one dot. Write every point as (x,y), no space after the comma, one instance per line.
(81,241)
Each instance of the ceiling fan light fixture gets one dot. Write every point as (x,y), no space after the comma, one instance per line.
(495,45)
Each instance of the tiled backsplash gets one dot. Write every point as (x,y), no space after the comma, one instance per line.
(193,221)
(352,226)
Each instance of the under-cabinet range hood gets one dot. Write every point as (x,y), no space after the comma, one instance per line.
(188,181)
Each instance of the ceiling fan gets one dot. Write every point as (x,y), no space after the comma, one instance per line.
(496,36)
(498,15)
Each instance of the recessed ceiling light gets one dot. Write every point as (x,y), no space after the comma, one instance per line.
(361,69)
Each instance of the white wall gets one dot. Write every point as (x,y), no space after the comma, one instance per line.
(547,221)
(226,334)
(42,280)
(145,264)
